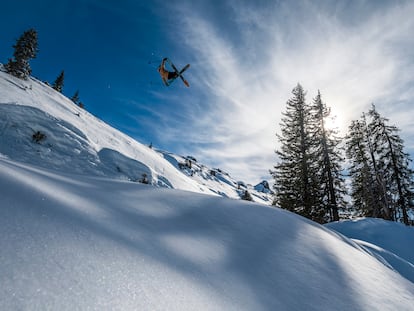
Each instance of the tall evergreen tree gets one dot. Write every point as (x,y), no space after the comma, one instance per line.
(24,50)
(364,187)
(58,84)
(328,161)
(382,182)
(295,177)
(394,164)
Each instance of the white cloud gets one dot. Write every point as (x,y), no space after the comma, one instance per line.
(248,68)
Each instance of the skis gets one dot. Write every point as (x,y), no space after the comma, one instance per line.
(180,73)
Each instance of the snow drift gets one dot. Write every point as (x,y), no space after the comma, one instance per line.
(390,242)
(75,242)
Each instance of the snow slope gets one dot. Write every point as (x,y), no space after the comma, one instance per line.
(79,230)
(77,141)
(73,242)
(389,241)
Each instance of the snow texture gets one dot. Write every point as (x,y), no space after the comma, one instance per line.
(78,232)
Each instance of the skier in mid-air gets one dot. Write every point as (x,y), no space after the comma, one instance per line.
(165,74)
(169,76)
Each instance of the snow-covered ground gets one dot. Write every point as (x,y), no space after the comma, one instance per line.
(390,242)
(72,242)
(78,232)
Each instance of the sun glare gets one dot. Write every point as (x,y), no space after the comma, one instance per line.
(334,123)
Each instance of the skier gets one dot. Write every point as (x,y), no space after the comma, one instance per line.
(169,76)
(165,74)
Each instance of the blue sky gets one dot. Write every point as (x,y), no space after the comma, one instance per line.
(245,56)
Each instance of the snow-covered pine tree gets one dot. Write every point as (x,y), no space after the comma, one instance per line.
(367,189)
(393,163)
(328,159)
(58,84)
(295,177)
(24,50)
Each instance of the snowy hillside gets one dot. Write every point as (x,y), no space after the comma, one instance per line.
(73,242)
(81,230)
(42,127)
(391,242)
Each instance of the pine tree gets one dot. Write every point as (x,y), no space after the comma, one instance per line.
(394,165)
(364,188)
(75,98)
(58,84)
(24,50)
(328,161)
(382,182)
(295,184)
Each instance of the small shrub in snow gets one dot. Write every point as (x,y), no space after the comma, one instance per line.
(246,196)
(188,163)
(144,179)
(241,184)
(191,159)
(38,137)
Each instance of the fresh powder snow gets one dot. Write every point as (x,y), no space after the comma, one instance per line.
(79,230)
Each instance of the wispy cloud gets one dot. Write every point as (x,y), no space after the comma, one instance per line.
(248,57)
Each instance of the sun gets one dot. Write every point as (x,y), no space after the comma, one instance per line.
(334,122)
